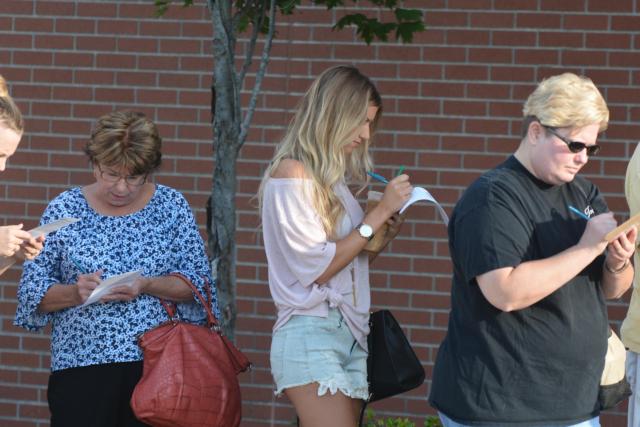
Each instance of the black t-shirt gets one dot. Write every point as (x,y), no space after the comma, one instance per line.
(535,366)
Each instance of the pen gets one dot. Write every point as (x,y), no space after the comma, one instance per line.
(378,177)
(77,264)
(400,170)
(578,212)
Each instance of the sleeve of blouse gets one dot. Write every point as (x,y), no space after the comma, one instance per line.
(39,275)
(292,225)
(191,258)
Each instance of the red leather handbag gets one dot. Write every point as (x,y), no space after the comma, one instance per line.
(189,375)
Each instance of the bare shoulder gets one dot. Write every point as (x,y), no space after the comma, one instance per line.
(289,168)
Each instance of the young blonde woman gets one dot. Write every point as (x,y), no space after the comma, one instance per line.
(16,244)
(314,234)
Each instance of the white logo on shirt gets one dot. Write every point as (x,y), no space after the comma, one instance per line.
(588,211)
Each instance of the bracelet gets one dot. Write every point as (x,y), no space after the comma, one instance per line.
(620,270)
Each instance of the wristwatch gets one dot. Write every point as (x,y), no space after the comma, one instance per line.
(365,230)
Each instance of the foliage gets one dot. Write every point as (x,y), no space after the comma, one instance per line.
(371,421)
(407,21)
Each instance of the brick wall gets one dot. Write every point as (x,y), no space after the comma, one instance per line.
(452,105)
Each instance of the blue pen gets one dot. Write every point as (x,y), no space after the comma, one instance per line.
(578,212)
(378,177)
(77,264)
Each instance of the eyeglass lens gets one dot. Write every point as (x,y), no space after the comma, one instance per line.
(574,146)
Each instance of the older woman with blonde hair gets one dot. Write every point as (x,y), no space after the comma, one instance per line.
(127,223)
(314,235)
(16,244)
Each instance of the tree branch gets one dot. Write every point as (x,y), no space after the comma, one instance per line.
(248,59)
(226,59)
(266,52)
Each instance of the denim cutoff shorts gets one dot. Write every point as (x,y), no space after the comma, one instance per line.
(311,349)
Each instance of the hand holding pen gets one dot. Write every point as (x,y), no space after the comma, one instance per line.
(396,192)
(86,282)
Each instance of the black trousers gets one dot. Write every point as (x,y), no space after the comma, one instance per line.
(94,396)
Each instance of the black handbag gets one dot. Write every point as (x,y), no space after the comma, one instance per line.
(614,387)
(392,365)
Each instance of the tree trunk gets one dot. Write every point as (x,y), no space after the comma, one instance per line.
(226,126)
(222,242)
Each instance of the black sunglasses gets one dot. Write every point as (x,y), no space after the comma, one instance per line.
(574,146)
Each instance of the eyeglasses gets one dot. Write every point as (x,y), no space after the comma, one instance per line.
(574,146)
(132,180)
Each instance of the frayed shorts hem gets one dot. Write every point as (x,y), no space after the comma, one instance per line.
(330,386)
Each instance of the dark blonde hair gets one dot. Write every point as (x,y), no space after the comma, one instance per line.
(328,113)
(125,139)
(10,115)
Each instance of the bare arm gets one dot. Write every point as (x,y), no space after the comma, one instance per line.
(397,191)
(6,262)
(516,288)
(60,296)
(165,287)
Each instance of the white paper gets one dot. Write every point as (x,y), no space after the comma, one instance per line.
(419,194)
(52,226)
(105,287)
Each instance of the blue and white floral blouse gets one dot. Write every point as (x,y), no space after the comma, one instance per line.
(159,239)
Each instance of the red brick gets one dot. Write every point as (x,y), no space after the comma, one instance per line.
(621,6)
(538,20)
(514,38)
(74,59)
(565,5)
(561,39)
(624,59)
(608,41)
(97,43)
(464,108)
(55,8)
(446,19)
(115,61)
(16,7)
(624,22)
(492,20)
(34,24)
(86,26)
(586,22)
(491,55)
(466,72)
(96,9)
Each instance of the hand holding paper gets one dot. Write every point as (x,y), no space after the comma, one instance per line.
(52,226)
(106,286)
(625,226)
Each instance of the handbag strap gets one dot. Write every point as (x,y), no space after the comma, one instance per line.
(171,307)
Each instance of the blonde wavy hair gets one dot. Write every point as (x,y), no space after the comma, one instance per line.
(10,115)
(566,101)
(326,117)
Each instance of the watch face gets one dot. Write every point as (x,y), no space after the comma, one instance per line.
(366,230)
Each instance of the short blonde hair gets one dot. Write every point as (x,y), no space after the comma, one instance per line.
(125,139)
(10,115)
(566,101)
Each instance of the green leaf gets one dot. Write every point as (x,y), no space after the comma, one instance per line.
(406,30)
(405,15)
(161,7)
(286,7)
